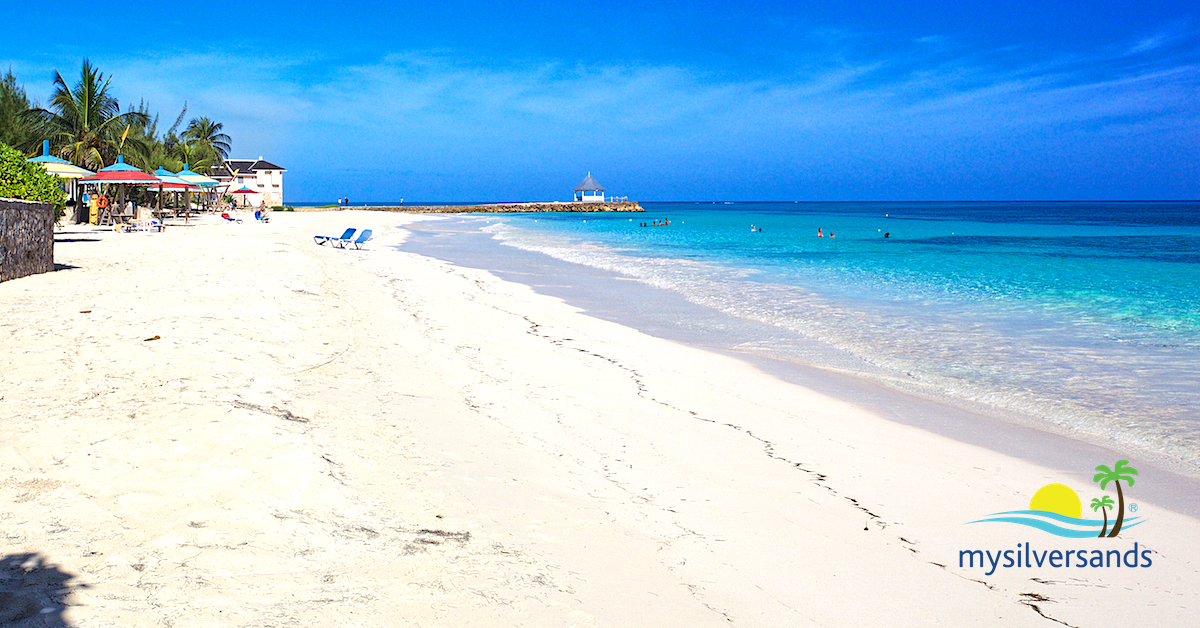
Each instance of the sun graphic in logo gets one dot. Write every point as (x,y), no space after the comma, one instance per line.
(1057,498)
(1057,509)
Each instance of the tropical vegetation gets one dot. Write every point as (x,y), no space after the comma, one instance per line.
(1120,472)
(23,179)
(85,124)
(13,104)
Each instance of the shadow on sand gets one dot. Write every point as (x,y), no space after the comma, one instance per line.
(33,592)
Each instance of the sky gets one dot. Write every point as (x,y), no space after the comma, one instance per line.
(518,101)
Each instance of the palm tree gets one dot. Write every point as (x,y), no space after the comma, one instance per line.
(1120,471)
(85,123)
(208,134)
(194,155)
(1102,503)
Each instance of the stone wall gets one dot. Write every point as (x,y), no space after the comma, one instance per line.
(26,238)
(497,208)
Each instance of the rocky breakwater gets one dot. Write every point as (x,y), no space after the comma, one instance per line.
(512,208)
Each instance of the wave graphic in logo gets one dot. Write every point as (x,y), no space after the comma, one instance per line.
(1057,509)
(1056,524)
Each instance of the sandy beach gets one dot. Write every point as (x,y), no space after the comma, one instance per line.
(227,425)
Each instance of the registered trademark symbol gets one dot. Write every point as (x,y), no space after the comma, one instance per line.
(1132,507)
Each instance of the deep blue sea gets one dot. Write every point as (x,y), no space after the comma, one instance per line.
(1084,317)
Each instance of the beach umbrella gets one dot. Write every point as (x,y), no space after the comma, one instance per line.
(206,184)
(120,174)
(170,181)
(244,191)
(196,178)
(60,168)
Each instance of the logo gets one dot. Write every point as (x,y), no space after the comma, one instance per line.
(1057,509)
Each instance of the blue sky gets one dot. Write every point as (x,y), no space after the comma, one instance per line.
(476,101)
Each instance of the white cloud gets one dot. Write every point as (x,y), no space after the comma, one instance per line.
(443,115)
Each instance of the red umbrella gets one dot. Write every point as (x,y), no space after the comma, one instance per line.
(244,190)
(120,174)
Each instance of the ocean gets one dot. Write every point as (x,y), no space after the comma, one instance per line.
(1080,318)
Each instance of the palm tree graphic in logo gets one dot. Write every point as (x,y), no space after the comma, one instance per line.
(1057,509)
(1120,471)
(1105,503)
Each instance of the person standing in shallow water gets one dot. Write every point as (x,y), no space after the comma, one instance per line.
(819,234)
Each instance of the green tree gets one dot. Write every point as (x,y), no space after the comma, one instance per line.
(84,123)
(15,130)
(1102,503)
(1120,471)
(24,179)
(209,134)
(195,156)
(150,150)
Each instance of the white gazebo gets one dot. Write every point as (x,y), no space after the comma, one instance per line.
(589,191)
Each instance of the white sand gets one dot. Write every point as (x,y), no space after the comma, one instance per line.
(323,437)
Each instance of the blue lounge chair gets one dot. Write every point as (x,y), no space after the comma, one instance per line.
(346,235)
(362,238)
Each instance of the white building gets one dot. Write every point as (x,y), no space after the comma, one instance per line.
(262,176)
(589,191)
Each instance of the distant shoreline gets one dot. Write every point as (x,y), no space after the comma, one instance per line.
(496,208)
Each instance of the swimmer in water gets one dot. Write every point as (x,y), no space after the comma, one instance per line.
(819,234)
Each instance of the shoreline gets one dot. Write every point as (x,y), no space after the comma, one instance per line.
(492,208)
(1000,431)
(283,432)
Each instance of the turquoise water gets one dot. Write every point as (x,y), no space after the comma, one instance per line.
(1079,317)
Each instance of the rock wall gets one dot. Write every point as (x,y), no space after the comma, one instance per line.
(498,208)
(26,238)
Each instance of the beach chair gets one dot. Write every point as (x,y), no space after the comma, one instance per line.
(148,225)
(362,238)
(346,235)
(229,218)
(261,216)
